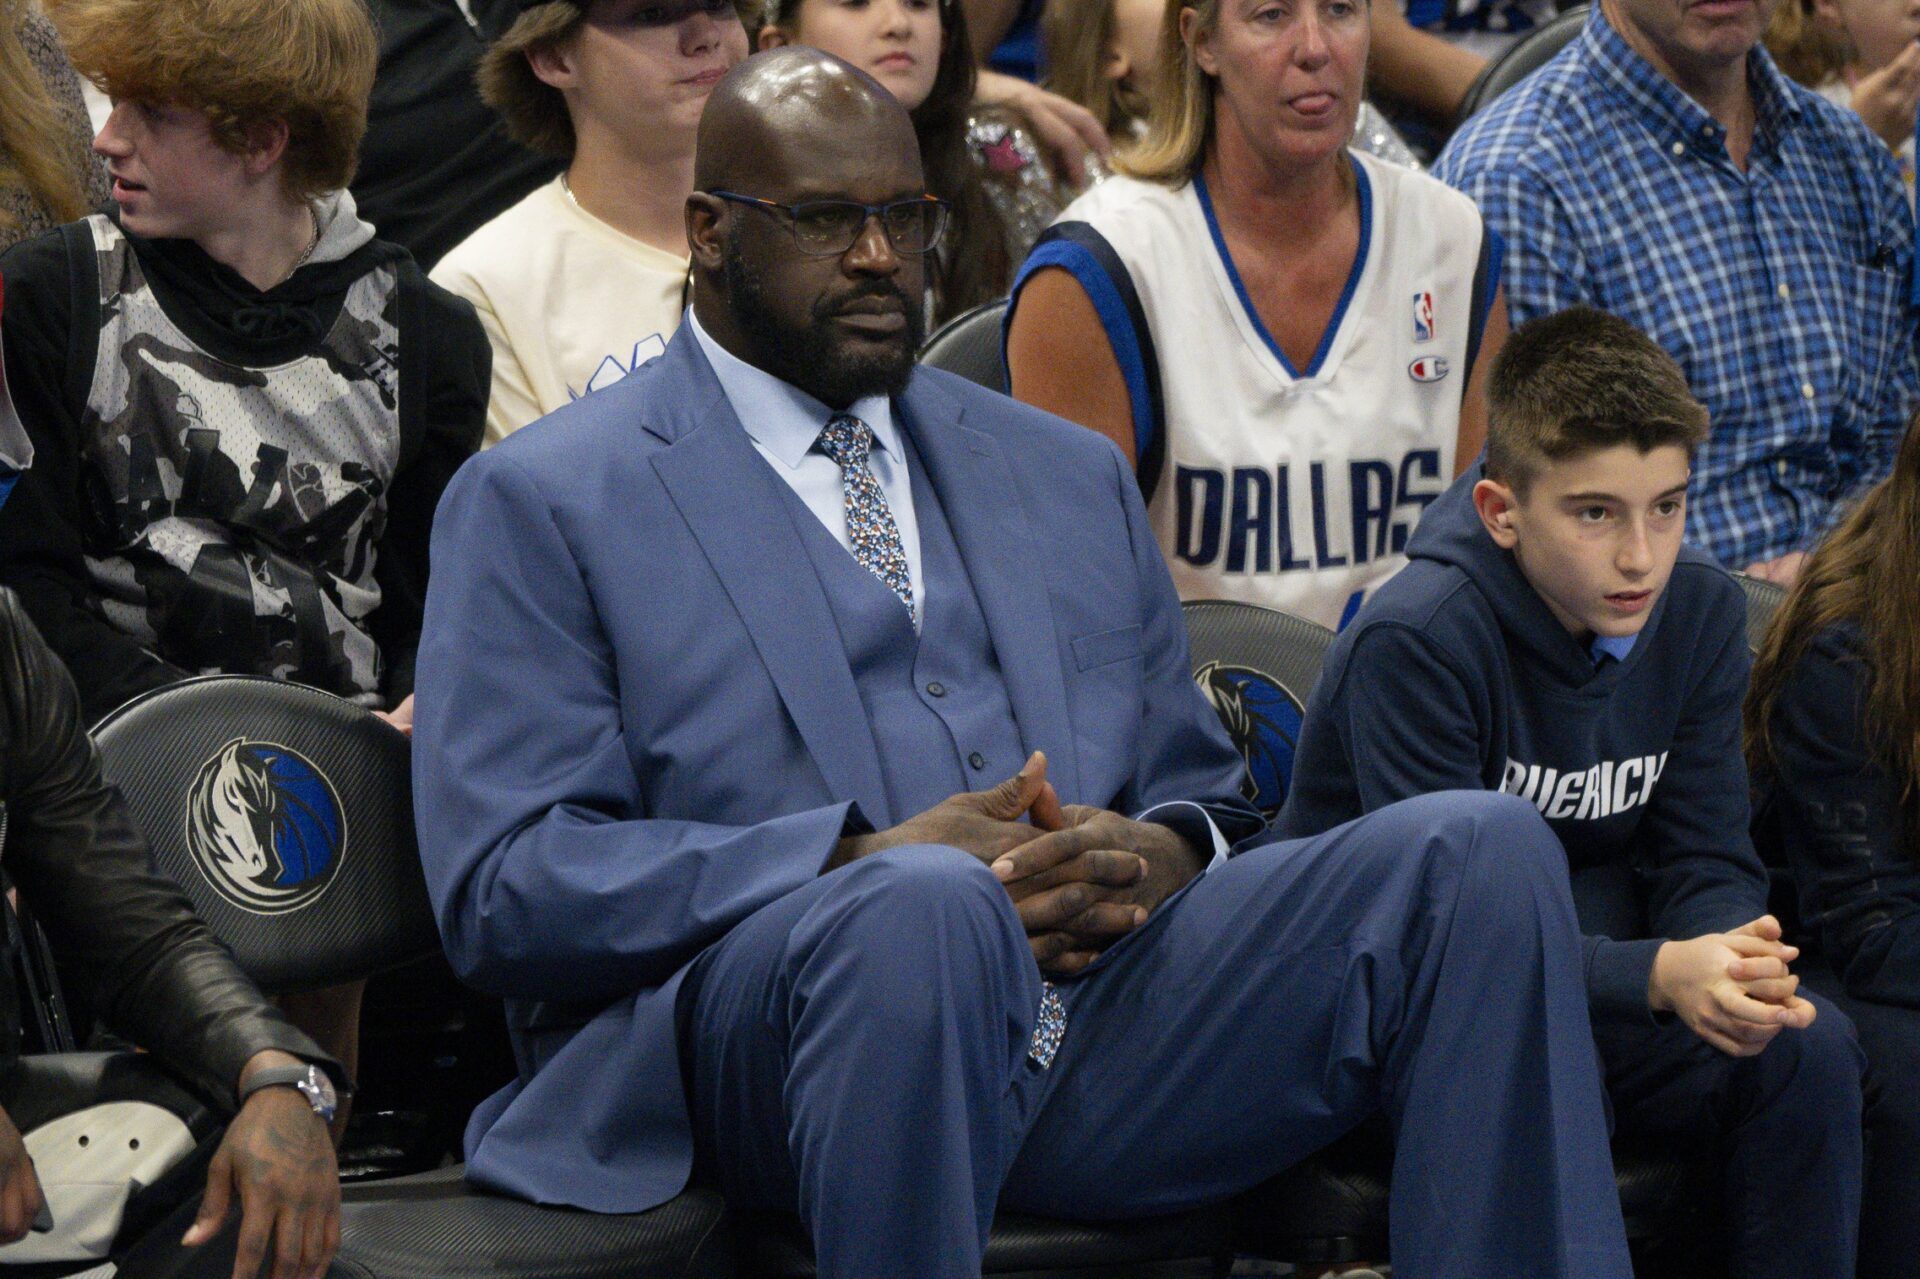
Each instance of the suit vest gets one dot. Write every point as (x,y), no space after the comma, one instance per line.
(936,701)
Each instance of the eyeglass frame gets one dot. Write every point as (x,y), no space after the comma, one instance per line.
(867,213)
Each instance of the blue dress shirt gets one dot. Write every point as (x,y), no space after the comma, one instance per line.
(1779,289)
(784,424)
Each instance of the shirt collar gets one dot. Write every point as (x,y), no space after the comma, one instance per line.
(1673,116)
(780,417)
(1615,646)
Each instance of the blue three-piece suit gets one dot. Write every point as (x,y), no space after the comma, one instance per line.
(654,693)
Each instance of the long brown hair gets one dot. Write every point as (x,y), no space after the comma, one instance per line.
(1078,38)
(1867,572)
(33,135)
(973,265)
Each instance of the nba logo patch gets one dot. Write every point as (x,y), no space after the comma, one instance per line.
(1423,317)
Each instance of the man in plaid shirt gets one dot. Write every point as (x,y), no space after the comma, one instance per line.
(1662,168)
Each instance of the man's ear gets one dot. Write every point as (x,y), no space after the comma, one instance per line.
(1499,512)
(1199,40)
(706,230)
(265,145)
(771,37)
(553,63)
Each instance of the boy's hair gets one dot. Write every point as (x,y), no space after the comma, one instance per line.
(241,63)
(534,112)
(1578,382)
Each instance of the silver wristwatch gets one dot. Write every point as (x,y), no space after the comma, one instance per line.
(310,1080)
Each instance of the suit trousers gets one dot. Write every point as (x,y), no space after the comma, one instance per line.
(859,1050)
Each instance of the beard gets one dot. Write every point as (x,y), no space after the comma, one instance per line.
(818,357)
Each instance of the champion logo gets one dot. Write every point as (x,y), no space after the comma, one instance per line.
(1428,368)
(1423,317)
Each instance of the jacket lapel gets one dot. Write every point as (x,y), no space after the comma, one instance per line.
(998,545)
(733,505)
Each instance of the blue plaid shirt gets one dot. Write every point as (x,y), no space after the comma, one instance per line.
(1781,291)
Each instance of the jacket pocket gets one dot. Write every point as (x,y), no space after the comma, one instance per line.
(1102,647)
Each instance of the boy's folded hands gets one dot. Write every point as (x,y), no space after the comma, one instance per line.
(1733,989)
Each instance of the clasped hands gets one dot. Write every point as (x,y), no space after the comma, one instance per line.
(1080,877)
(1731,989)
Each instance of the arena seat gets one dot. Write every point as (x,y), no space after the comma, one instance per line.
(1763,601)
(969,344)
(339,777)
(1521,59)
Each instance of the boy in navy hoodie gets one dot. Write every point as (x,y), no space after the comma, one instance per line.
(1551,638)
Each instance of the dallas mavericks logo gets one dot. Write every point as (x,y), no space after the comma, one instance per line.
(1264,722)
(265,827)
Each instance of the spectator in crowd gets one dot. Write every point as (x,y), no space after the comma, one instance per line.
(1103,55)
(712,662)
(1553,639)
(1428,53)
(164,982)
(1663,169)
(1863,54)
(243,406)
(1290,403)
(437,163)
(585,279)
(47,173)
(984,162)
(1832,721)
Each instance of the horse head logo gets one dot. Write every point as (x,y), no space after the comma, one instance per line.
(265,826)
(1263,720)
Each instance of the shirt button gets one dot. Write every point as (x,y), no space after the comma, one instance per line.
(1784,292)
(1679,148)
(978,761)
(937,689)
(1806,390)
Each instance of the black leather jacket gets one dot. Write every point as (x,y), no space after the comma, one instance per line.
(159,977)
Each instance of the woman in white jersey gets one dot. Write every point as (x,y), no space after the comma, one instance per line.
(1287,338)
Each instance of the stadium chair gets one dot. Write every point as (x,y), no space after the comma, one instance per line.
(969,344)
(1258,667)
(1763,601)
(1521,59)
(327,785)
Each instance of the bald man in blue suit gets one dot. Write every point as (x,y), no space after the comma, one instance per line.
(806,749)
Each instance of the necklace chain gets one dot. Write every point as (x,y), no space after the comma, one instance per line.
(305,253)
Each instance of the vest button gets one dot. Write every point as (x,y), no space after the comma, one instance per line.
(937,689)
(978,761)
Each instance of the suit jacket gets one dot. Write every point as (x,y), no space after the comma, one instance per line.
(636,723)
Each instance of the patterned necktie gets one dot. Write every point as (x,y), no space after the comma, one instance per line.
(870,526)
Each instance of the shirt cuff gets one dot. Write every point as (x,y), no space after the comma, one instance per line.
(1181,820)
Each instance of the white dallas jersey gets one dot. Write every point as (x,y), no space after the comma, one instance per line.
(1291,489)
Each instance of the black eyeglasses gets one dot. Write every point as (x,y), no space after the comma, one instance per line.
(828,228)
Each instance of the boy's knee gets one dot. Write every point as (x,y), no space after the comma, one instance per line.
(1822,1064)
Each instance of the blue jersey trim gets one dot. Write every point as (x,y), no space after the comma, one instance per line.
(1115,317)
(1346,294)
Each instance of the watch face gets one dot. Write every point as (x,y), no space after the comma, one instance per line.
(319,1091)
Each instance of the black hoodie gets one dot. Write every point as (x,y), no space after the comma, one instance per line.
(1456,676)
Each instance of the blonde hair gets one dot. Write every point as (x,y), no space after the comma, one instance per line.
(534,112)
(1180,107)
(1078,37)
(33,152)
(1803,46)
(241,63)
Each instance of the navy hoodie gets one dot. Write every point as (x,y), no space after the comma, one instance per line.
(1456,676)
